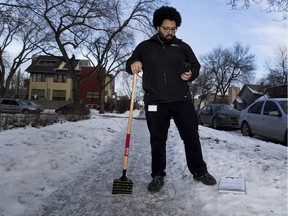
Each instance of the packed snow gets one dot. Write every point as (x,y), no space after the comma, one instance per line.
(68,169)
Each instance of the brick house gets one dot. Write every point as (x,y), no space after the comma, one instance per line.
(90,87)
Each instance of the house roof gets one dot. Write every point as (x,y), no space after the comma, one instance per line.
(257,89)
(239,100)
(254,89)
(49,64)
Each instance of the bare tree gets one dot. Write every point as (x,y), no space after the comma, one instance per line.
(71,23)
(17,85)
(110,54)
(229,66)
(272,6)
(13,29)
(203,85)
(277,69)
(126,86)
(112,47)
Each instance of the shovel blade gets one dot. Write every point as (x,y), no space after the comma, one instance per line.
(121,186)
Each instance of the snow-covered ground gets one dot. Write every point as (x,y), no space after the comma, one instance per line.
(68,169)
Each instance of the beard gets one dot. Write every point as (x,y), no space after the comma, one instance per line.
(168,39)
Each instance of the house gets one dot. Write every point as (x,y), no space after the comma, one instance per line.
(90,87)
(50,79)
(278,91)
(248,94)
(50,82)
(228,98)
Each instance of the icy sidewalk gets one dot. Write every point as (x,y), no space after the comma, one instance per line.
(90,194)
(68,169)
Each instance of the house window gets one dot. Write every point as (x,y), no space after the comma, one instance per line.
(46,62)
(38,77)
(60,78)
(59,95)
(92,96)
(37,93)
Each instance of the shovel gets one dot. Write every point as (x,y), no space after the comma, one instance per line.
(123,185)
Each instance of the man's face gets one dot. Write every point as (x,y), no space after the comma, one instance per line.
(167,30)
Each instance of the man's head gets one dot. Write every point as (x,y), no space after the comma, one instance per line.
(166,20)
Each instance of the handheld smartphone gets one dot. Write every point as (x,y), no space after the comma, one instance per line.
(186,67)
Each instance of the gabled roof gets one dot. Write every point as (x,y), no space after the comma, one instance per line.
(254,89)
(257,89)
(48,64)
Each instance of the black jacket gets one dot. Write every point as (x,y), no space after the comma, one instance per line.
(162,68)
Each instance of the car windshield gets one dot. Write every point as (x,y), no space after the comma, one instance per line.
(22,102)
(283,104)
(224,108)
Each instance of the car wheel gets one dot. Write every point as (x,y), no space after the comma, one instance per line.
(214,124)
(245,129)
(25,111)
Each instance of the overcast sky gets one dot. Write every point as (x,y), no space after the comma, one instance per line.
(207,24)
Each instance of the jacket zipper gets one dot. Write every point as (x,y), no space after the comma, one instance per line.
(165,78)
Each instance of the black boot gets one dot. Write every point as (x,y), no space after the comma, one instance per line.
(156,184)
(206,179)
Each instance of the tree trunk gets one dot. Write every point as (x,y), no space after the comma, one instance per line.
(102,91)
(76,97)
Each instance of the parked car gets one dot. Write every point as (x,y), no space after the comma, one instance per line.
(266,118)
(69,109)
(219,116)
(11,105)
(38,107)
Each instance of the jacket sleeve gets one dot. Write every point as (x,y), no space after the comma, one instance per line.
(134,57)
(195,65)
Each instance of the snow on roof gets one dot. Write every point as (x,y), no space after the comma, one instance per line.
(239,100)
(253,90)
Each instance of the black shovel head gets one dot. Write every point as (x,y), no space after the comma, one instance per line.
(122,186)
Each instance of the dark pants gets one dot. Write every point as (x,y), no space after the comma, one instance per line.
(184,116)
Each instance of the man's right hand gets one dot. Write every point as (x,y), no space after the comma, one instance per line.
(136,67)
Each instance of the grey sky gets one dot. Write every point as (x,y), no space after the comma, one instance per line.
(207,24)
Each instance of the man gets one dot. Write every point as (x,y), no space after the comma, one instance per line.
(168,65)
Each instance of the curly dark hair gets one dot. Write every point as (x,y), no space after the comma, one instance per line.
(166,12)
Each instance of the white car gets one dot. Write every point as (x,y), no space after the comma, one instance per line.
(266,118)
(11,105)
